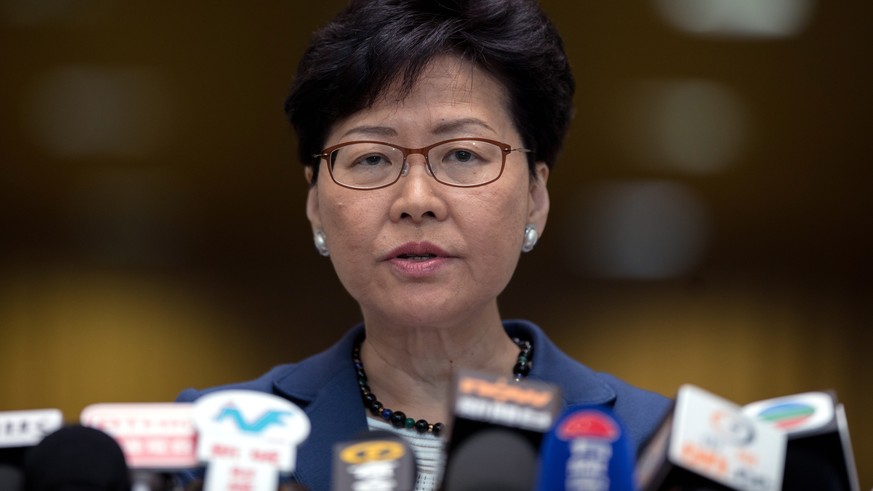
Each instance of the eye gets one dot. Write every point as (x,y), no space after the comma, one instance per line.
(371,160)
(366,156)
(461,156)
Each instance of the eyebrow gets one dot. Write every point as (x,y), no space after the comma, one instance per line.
(371,130)
(459,124)
(453,126)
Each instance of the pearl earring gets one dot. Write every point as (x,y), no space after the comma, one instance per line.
(530,238)
(320,243)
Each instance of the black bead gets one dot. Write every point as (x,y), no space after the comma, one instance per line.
(398,419)
(376,408)
(421,426)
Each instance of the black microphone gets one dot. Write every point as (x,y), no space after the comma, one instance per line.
(76,458)
(819,454)
(496,431)
(706,442)
(587,449)
(376,460)
(11,478)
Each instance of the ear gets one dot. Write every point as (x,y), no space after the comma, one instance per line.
(312,210)
(538,208)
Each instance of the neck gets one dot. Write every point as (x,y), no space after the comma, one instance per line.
(411,368)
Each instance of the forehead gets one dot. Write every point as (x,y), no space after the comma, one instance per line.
(451,94)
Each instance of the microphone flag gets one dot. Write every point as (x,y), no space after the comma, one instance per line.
(586,450)
(246,438)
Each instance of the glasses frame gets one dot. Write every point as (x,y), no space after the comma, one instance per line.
(505,149)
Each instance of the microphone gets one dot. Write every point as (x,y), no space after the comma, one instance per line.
(819,453)
(157,438)
(377,460)
(497,429)
(707,442)
(20,430)
(586,450)
(28,428)
(11,478)
(246,438)
(76,457)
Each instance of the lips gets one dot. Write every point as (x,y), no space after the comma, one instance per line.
(418,260)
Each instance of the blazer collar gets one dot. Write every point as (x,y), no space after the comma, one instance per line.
(579,384)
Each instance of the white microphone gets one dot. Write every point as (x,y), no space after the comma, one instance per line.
(246,438)
(156,438)
(28,428)
(19,431)
(819,453)
(707,442)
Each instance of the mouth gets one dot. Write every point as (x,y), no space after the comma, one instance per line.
(417,251)
(416,257)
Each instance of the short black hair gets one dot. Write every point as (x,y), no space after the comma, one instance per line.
(371,44)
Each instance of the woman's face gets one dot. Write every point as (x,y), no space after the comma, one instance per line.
(418,251)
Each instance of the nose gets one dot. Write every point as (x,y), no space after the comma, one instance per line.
(415,155)
(418,193)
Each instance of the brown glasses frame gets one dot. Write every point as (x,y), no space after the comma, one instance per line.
(328,152)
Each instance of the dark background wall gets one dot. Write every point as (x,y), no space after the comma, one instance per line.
(711,210)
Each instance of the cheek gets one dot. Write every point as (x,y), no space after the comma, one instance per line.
(497,221)
(350,243)
(347,223)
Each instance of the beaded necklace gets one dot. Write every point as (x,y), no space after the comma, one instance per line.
(398,419)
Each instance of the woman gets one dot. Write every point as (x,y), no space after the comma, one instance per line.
(428,130)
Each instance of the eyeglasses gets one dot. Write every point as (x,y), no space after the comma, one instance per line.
(459,162)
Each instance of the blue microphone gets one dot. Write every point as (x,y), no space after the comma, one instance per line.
(586,449)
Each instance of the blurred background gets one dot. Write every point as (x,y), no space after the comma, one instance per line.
(711,209)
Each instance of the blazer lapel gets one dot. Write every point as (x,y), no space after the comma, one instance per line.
(327,390)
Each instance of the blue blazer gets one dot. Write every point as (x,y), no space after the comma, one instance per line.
(326,388)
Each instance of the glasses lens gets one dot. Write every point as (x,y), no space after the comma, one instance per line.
(466,162)
(366,165)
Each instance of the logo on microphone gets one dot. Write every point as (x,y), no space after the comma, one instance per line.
(258,425)
(788,415)
(588,424)
(377,451)
(732,427)
(797,413)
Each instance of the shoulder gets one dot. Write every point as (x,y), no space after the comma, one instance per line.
(299,382)
(640,411)
(263,383)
